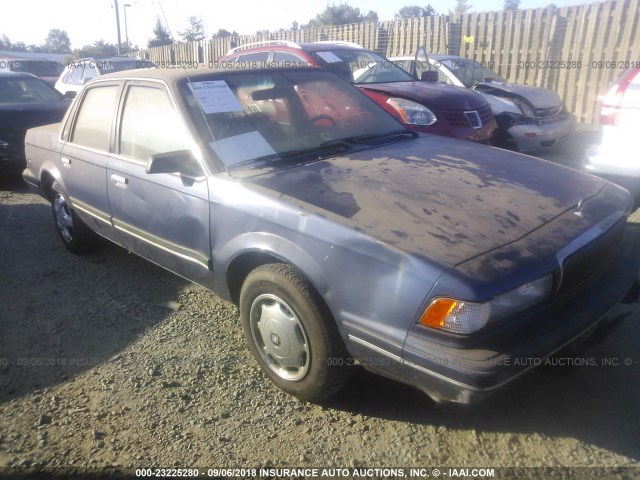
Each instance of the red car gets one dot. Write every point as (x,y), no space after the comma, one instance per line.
(425,106)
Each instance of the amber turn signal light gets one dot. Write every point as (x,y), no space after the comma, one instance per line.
(436,315)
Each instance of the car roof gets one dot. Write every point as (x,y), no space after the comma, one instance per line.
(10,73)
(435,56)
(292,46)
(320,46)
(171,75)
(109,59)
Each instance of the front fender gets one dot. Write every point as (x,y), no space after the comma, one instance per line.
(281,248)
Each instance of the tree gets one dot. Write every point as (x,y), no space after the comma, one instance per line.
(462,7)
(223,33)
(295,26)
(341,14)
(511,5)
(99,49)
(5,43)
(415,11)
(194,32)
(57,41)
(162,35)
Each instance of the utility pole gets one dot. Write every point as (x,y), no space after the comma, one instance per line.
(117,24)
(126,29)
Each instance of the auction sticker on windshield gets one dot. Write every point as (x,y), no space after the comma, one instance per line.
(239,148)
(215,96)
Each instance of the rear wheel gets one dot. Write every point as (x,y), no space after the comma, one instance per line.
(291,334)
(75,235)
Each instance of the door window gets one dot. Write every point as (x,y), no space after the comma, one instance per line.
(93,122)
(150,124)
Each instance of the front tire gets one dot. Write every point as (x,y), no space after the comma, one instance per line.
(76,236)
(291,333)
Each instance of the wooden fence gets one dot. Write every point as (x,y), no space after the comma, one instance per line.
(577,51)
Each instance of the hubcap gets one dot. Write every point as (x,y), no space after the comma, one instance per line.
(64,222)
(280,337)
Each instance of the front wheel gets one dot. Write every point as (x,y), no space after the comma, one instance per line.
(75,235)
(291,334)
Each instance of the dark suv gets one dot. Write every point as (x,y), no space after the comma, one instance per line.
(425,106)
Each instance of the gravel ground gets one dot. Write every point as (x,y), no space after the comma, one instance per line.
(109,361)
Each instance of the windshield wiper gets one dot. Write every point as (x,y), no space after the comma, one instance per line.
(376,137)
(316,153)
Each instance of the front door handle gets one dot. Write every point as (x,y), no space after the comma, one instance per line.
(120,180)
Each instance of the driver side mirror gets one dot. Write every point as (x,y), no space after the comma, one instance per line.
(182,162)
(429,76)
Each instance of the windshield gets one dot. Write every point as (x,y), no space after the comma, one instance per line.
(270,117)
(470,72)
(362,66)
(26,90)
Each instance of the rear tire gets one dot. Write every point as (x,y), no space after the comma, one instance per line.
(291,333)
(74,233)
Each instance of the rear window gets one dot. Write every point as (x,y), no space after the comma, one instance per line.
(361,66)
(26,90)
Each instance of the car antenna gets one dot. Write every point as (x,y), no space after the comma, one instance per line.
(186,72)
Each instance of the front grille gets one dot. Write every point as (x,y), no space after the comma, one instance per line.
(456,119)
(590,260)
(485,114)
(474,118)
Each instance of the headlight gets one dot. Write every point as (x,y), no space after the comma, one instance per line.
(412,113)
(513,119)
(524,106)
(3,144)
(458,316)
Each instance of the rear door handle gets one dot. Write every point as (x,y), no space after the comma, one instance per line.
(120,180)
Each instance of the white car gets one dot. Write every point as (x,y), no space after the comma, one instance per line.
(616,157)
(78,72)
(530,119)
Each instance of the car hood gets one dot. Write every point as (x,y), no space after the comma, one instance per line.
(434,95)
(21,116)
(433,197)
(537,97)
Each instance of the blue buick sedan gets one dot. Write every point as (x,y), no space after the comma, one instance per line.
(344,237)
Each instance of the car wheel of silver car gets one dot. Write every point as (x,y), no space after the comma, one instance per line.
(75,235)
(291,333)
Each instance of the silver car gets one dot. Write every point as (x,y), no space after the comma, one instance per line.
(530,119)
(616,156)
(343,236)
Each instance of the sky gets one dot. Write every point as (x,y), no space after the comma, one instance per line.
(86,21)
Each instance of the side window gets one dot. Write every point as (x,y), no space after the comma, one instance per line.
(254,57)
(89,73)
(404,64)
(75,75)
(150,124)
(443,77)
(289,60)
(93,121)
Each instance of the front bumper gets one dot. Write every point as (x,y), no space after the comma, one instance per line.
(467,375)
(533,138)
(11,162)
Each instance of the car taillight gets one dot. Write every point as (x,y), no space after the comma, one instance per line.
(611,101)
